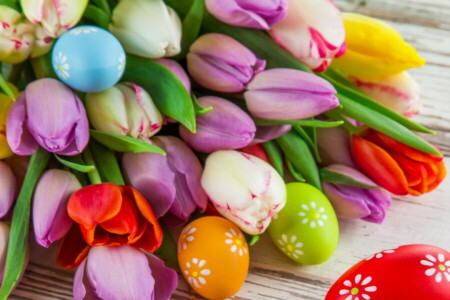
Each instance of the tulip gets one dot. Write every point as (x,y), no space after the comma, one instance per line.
(16,36)
(125,109)
(248,13)
(19,166)
(395,166)
(178,70)
(334,146)
(352,202)
(123,273)
(170,183)
(225,127)
(269,132)
(374,49)
(8,188)
(50,115)
(51,221)
(147,28)
(220,63)
(312,31)
(289,94)
(256,150)
(398,92)
(243,188)
(4,239)
(5,104)
(43,43)
(55,16)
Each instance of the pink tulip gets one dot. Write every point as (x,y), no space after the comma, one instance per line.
(312,31)
(334,146)
(8,189)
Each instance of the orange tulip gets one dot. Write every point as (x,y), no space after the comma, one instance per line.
(108,215)
(395,166)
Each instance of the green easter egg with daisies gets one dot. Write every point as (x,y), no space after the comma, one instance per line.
(306,229)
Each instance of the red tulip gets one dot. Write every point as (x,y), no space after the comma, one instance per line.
(395,166)
(108,215)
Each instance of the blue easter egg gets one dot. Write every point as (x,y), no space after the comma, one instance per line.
(88,59)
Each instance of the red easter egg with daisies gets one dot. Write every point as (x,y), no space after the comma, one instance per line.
(410,272)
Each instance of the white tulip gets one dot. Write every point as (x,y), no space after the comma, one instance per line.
(243,188)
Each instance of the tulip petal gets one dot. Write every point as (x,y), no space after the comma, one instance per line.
(82,289)
(19,138)
(165,278)
(347,202)
(50,219)
(267,133)
(69,11)
(72,250)
(125,221)
(8,188)
(119,273)
(379,165)
(95,204)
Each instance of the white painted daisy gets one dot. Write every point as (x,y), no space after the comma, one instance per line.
(83,29)
(358,290)
(195,272)
(121,66)
(61,66)
(237,242)
(313,215)
(186,236)
(439,267)
(290,246)
(381,254)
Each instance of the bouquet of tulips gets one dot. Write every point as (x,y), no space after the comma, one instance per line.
(275,115)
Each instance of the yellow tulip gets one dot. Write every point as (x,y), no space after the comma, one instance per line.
(374,49)
(5,103)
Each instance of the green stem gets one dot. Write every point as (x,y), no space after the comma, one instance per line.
(104,5)
(16,256)
(168,249)
(94,176)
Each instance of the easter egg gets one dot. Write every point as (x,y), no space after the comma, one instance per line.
(410,272)
(88,59)
(306,229)
(213,256)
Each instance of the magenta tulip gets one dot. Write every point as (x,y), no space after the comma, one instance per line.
(270,132)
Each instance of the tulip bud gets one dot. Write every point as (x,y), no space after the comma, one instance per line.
(125,109)
(248,13)
(178,70)
(171,183)
(43,43)
(312,31)
(334,146)
(8,188)
(289,94)
(220,63)
(352,202)
(147,28)
(4,239)
(50,219)
(374,49)
(16,36)
(50,115)
(55,16)
(270,132)
(400,92)
(243,188)
(5,104)
(225,127)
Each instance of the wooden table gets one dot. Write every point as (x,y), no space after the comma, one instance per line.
(426,25)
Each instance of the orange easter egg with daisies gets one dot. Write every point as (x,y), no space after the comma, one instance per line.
(213,256)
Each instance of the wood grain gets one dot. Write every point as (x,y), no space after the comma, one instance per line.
(426,25)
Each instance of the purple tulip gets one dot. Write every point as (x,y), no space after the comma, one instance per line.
(288,94)
(8,188)
(261,14)
(351,202)
(123,273)
(267,133)
(50,115)
(50,219)
(220,63)
(225,127)
(170,183)
(178,70)
(334,146)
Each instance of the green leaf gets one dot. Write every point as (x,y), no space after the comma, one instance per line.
(191,27)
(168,249)
(275,156)
(166,90)
(104,5)
(124,143)
(106,163)
(4,86)
(297,151)
(305,123)
(42,66)
(330,176)
(11,3)
(200,110)
(311,143)
(384,124)
(75,163)
(16,256)
(296,174)
(97,15)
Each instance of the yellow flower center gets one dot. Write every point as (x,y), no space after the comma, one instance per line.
(316,215)
(194,274)
(289,248)
(354,291)
(238,242)
(441,267)
(61,68)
